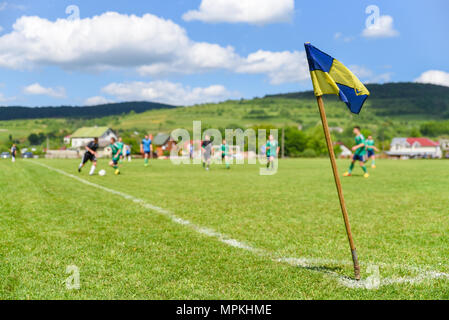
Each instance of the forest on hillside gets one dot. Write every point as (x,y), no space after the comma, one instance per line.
(17,112)
(398,99)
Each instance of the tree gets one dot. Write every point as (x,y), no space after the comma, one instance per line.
(317,141)
(295,142)
(36,139)
(33,139)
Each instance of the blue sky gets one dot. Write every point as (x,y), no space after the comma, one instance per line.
(193,51)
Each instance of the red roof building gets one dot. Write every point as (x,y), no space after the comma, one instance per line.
(422,142)
(414,148)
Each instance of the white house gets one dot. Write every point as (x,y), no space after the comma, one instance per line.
(414,148)
(82,136)
(345,151)
(336,129)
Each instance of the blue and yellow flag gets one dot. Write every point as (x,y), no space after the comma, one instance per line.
(330,76)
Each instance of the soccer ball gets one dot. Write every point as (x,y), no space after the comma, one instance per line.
(102,173)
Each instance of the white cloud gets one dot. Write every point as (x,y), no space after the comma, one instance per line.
(281,67)
(380,78)
(6,99)
(4,5)
(151,45)
(434,77)
(198,57)
(342,37)
(97,100)
(360,71)
(382,28)
(37,89)
(257,12)
(105,41)
(368,76)
(167,92)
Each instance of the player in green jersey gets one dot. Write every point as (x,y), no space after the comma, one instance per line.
(121,146)
(370,148)
(225,153)
(115,155)
(272,151)
(359,153)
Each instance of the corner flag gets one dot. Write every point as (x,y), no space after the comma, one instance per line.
(330,76)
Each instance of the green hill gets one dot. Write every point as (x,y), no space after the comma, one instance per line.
(397,108)
(394,109)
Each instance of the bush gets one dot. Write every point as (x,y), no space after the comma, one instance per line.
(135,145)
(316,141)
(36,139)
(295,142)
(308,153)
(434,128)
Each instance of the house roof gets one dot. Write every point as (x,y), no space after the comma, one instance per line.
(423,142)
(161,139)
(90,132)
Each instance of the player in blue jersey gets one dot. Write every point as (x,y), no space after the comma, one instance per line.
(128,152)
(146,148)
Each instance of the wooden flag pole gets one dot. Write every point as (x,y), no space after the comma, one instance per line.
(338,184)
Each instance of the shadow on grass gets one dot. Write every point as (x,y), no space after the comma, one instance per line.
(338,271)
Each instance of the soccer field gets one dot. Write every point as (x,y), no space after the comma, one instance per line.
(179,232)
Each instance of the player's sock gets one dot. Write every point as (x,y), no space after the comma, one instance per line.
(268,164)
(364,169)
(92,170)
(351,167)
(373,162)
(80,167)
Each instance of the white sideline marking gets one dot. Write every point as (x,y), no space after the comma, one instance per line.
(312,264)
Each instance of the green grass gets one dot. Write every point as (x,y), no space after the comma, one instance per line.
(125,251)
